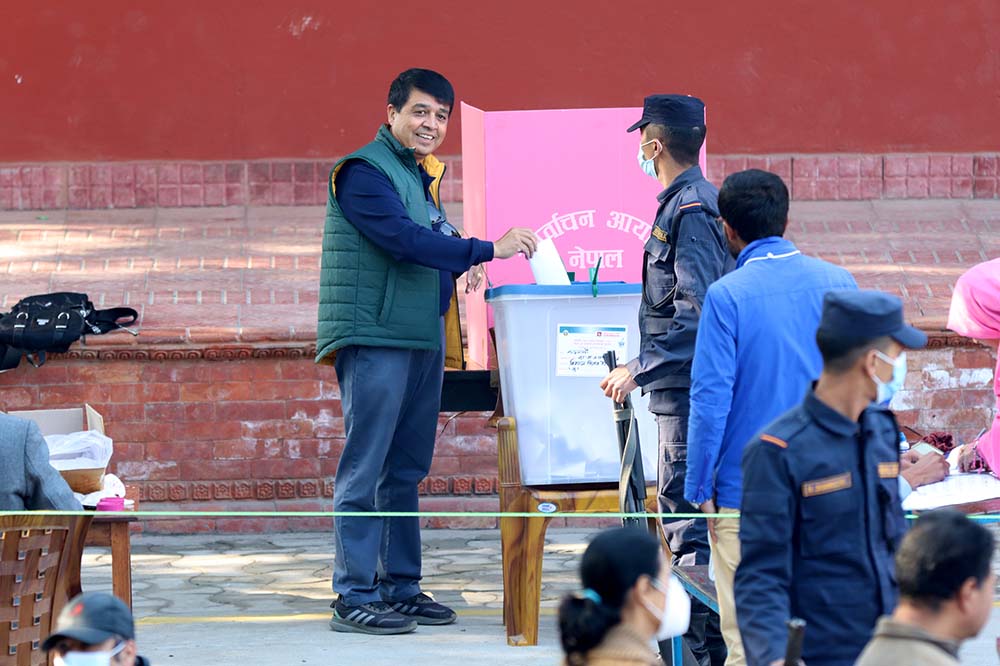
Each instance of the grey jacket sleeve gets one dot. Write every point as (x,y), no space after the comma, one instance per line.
(44,486)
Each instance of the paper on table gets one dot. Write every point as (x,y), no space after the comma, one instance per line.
(957,488)
(547,266)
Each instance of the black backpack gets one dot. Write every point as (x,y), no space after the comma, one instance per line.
(51,323)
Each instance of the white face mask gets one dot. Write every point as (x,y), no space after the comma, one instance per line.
(675,616)
(647,165)
(84,659)
(102,658)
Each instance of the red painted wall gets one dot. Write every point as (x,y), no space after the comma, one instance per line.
(227,79)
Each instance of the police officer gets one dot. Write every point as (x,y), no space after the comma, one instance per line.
(821,515)
(685,253)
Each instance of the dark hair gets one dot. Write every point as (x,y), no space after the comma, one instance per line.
(840,353)
(682,143)
(611,565)
(942,551)
(755,204)
(424,80)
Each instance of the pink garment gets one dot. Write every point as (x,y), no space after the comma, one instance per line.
(975,313)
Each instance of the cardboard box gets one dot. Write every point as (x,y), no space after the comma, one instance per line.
(64,421)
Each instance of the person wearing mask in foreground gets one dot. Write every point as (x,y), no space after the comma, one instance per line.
(821,517)
(94,629)
(629,599)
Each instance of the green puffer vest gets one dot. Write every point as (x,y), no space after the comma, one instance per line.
(366,297)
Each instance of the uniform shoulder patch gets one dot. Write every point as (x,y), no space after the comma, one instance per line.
(691,201)
(827,484)
(771,439)
(888,470)
(659,234)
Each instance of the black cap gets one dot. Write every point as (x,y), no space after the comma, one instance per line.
(92,618)
(866,315)
(672,111)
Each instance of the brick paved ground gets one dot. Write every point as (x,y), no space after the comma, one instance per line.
(264,600)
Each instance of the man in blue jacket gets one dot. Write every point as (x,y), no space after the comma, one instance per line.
(821,517)
(754,359)
(388,322)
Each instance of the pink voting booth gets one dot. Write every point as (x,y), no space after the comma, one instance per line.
(569,174)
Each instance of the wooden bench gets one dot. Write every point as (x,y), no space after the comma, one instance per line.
(697,583)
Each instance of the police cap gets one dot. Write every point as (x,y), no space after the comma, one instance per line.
(671,111)
(862,315)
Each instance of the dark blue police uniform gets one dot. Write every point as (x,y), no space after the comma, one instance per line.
(685,253)
(821,516)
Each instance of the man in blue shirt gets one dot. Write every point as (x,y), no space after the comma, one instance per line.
(755,356)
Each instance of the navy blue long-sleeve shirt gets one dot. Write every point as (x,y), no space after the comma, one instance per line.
(820,523)
(373,206)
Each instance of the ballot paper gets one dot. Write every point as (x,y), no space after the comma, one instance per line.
(547,266)
(957,488)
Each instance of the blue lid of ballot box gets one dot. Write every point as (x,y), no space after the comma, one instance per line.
(574,289)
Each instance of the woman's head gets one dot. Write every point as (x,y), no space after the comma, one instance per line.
(624,575)
(975,304)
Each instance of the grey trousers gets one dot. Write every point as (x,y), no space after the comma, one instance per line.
(390,399)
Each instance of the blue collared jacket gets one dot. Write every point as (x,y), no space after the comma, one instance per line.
(754,358)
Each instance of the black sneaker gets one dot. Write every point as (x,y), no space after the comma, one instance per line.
(376,617)
(424,610)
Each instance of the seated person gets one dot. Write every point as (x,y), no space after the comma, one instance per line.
(946,593)
(94,628)
(27,479)
(917,470)
(629,598)
(975,313)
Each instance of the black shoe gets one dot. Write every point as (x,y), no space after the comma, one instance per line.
(424,610)
(375,617)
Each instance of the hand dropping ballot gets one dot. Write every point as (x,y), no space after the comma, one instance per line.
(547,266)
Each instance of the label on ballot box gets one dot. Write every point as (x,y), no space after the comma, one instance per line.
(580,349)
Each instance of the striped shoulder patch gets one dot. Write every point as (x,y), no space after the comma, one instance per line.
(771,439)
(888,470)
(659,234)
(828,484)
(696,204)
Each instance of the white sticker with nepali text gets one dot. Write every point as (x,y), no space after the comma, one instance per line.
(580,348)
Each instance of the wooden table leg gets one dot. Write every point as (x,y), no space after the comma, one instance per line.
(121,562)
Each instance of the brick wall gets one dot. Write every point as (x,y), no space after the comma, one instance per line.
(253,434)
(261,430)
(948,388)
(296,182)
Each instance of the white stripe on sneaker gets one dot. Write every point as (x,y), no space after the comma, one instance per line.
(352,615)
